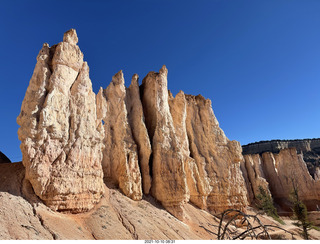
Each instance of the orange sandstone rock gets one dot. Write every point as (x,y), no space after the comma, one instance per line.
(61,139)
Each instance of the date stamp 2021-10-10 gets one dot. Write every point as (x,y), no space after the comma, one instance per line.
(159,241)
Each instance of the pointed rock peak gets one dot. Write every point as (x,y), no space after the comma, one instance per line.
(71,37)
(118,78)
(45,45)
(135,77)
(163,70)
(135,80)
(180,93)
(44,52)
(85,67)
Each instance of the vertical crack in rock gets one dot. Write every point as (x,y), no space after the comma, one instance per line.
(169,184)
(220,183)
(120,156)
(60,143)
(178,110)
(139,131)
(254,175)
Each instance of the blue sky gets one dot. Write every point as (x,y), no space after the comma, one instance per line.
(258,61)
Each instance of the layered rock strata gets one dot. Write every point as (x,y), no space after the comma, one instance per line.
(61,138)
(309,148)
(279,172)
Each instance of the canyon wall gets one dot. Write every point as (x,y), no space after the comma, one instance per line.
(278,165)
(140,139)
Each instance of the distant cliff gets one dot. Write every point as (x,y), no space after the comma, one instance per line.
(309,148)
(275,146)
(277,165)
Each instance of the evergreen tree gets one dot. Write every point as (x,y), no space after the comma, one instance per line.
(265,203)
(300,212)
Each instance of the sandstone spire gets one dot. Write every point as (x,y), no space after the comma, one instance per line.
(169,183)
(120,156)
(220,183)
(61,139)
(139,131)
(196,184)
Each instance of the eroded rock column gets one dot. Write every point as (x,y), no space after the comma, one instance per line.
(169,184)
(61,138)
(217,159)
(120,156)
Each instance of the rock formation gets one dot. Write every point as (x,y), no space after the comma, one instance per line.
(220,183)
(61,138)
(4,159)
(280,164)
(139,131)
(143,139)
(275,146)
(253,171)
(309,148)
(120,156)
(169,184)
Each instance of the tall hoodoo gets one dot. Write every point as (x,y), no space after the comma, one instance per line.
(120,156)
(220,184)
(139,131)
(169,183)
(61,138)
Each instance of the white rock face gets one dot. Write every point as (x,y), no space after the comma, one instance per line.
(139,131)
(61,138)
(178,110)
(120,156)
(254,175)
(169,182)
(220,184)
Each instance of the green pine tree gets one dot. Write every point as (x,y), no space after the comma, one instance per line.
(265,203)
(300,212)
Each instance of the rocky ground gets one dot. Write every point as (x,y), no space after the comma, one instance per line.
(24,216)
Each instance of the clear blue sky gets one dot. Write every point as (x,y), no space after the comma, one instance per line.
(258,61)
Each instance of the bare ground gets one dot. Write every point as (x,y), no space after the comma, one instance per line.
(115,217)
